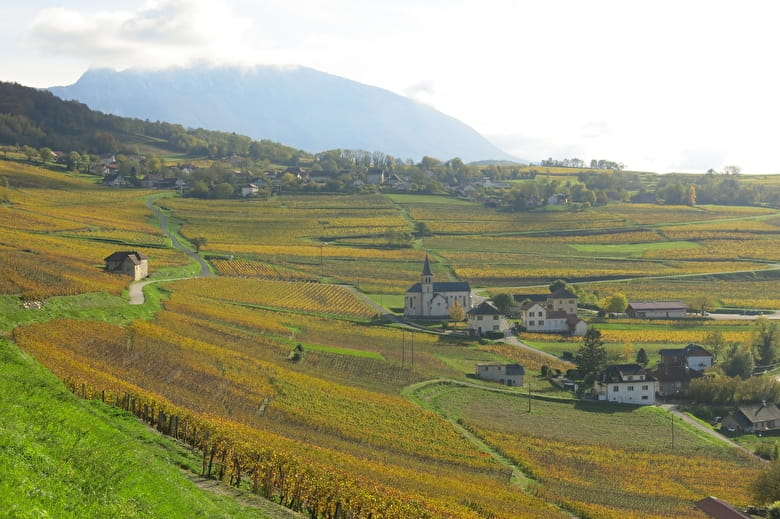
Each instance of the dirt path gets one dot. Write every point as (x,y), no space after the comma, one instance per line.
(270,509)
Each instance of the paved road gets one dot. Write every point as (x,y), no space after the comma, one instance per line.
(704,428)
(136,289)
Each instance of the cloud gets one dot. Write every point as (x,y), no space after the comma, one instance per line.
(158,34)
(700,159)
(595,129)
(422,92)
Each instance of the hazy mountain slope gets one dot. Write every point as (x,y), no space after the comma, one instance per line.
(298,106)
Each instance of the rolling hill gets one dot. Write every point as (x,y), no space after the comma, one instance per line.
(298,106)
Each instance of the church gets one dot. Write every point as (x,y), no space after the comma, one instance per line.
(429,299)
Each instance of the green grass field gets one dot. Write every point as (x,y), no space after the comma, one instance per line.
(69,458)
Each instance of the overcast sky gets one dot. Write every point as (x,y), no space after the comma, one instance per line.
(658,85)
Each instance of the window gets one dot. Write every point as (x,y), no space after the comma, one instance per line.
(495,318)
(615,388)
(644,397)
(630,388)
(541,323)
(479,318)
(644,388)
(532,323)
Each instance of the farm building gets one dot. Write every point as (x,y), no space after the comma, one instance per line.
(434,299)
(508,374)
(486,318)
(626,384)
(131,263)
(657,310)
(692,357)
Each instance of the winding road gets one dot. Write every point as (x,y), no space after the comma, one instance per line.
(136,290)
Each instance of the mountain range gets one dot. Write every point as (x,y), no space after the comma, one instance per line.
(297,106)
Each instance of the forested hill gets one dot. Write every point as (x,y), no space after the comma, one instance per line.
(301,107)
(38,118)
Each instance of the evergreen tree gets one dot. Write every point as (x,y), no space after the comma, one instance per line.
(592,356)
(641,357)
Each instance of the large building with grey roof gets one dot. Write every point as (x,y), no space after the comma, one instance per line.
(434,299)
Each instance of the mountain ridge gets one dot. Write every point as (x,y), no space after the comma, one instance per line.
(300,106)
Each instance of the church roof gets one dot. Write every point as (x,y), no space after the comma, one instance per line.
(427,267)
(443,286)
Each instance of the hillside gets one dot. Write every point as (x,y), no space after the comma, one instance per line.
(64,457)
(335,426)
(301,107)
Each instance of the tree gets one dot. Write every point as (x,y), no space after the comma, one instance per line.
(740,362)
(456,312)
(732,170)
(690,196)
(715,343)
(503,302)
(773,512)
(766,487)
(45,154)
(592,356)
(29,152)
(702,302)
(615,304)
(557,284)
(641,357)
(224,190)
(765,340)
(73,161)
(198,242)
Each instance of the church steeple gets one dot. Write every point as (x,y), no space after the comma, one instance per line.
(427,275)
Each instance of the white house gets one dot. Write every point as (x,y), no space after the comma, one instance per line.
(429,299)
(557,314)
(509,374)
(486,318)
(626,384)
(657,310)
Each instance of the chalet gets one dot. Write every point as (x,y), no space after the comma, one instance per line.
(553,313)
(657,310)
(754,418)
(626,384)
(508,374)
(250,190)
(434,299)
(486,318)
(130,263)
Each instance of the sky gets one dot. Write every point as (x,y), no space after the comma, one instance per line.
(658,85)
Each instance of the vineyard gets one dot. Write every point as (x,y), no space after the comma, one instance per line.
(611,464)
(284,382)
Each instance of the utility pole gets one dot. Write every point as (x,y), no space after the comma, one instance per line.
(529,398)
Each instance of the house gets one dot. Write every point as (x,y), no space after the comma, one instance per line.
(114,180)
(626,384)
(486,318)
(434,299)
(556,313)
(720,509)
(657,310)
(375,176)
(129,263)
(558,199)
(674,381)
(692,357)
(508,374)
(754,418)
(250,190)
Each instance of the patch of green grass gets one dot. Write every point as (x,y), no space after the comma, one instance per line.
(95,306)
(68,458)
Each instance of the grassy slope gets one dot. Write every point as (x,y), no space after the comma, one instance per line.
(64,457)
